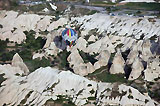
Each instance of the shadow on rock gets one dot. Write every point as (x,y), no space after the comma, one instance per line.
(60,43)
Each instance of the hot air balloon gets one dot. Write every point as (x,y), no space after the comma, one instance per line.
(70,36)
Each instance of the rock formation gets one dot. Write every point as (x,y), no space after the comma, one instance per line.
(117,64)
(43,24)
(118,25)
(92,38)
(146,50)
(50,38)
(81,44)
(78,65)
(103,59)
(137,68)
(18,62)
(56,24)
(101,45)
(152,72)
(131,56)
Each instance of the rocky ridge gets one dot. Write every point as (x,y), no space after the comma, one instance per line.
(48,83)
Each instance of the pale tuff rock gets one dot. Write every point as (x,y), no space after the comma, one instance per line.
(83,69)
(43,24)
(101,45)
(137,45)
(131,56)
(49,38)
(45,10)
(81,44)
(137,98)
(2,14)
(137,68)
(5,35)
(153,69)
(75,57)
(90,68)
(40,84)
(17,36)
(9,20)
(92,38)
(116,40)
(56,24)
(119,25)
(128,42)
(53,6)
(146,50)
(18,62)
(38,55)
(103,59)
(94,47)
(33,83)
(10,72)
(118,64)
(27,22)
(78,65)
(52,49)
(54,44)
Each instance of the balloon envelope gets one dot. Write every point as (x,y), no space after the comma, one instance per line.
(70,36)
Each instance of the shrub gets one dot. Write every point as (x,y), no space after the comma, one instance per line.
(37,63)
(31,43)
(61,60)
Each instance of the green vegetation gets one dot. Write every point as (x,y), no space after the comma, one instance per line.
(119,46)
(61,60)
(142,6)
(92,91)
(91,98)
(25,50)
(92,12)
(115,92)
(153,37)
(76,12)
(26,97)
(64,101)
(31,43)
(93,31)
(130,96)
(139,87)
(2,79)
(44,32)
(103,75)
(37,63)
(3,45)
(88,58)
(4,54)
